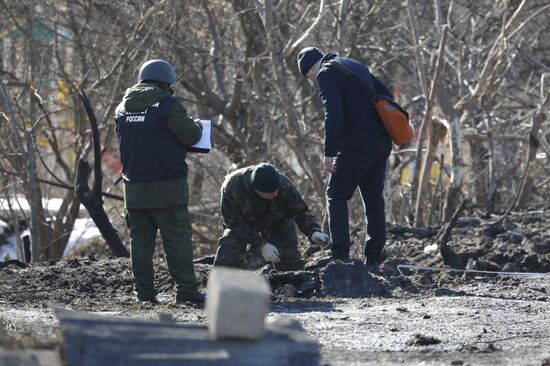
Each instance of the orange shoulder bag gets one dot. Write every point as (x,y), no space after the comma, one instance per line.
(393,116)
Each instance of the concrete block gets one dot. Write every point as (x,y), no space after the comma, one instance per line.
(92,339)
(236,304)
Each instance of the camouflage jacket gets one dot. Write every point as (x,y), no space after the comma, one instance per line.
(167,193)
(251,217)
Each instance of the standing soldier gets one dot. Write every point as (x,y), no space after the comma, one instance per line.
(154,130)
(357,147)
(259,206)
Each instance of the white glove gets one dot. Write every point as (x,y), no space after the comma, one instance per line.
(270,253)
(320,238)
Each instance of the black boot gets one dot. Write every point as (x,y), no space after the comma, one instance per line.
(197,299)
(373,266)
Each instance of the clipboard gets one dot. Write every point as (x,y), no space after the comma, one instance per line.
(205,143)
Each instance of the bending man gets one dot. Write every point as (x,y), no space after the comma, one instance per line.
(357,147)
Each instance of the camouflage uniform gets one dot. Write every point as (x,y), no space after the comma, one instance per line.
(250,219)
(160,205)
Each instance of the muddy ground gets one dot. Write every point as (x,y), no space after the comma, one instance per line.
(422,317)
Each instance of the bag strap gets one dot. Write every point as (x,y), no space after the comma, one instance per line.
(373,97)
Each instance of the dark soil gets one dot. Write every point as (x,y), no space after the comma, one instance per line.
(429,317)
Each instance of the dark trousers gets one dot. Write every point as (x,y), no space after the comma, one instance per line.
(364,168)
(232,249)
(175,228)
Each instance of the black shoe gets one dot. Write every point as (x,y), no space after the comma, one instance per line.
(373,267)
(197,298)
(151,300)
(341,258)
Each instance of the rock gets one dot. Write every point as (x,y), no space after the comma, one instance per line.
(389,267)
(166,317)
(468,222)
(508,225)
(511,267)
(422,340)
(236,304)
(431,248)
(306,283)
(283,324)
(536,246)
(310,285)
(288,290)
(531,263)
(481,265)
(492,231)
(352,280)
(511,236)
(202,271)
(448,292)
(318,260)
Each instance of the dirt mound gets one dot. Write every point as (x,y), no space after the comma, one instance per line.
(521,243)
(69,282)
(352,280)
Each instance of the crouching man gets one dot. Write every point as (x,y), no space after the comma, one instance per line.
(260,207)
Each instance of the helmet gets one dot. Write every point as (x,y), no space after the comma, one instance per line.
(159,70)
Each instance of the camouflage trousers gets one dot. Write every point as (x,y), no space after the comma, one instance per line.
(175,230)
(232,250)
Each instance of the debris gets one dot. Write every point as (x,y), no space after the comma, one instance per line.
(424,268)
(420,233)
(288,290)
(318,260)
(422,340)
(306,283)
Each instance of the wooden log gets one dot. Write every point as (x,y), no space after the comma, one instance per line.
(419,232)
(91,340)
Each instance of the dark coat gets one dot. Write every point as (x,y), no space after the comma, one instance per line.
(351,121)
(247,215)
(162,192)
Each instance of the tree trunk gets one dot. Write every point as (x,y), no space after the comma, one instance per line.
(94,205)
(534,143)
(437,134)
(423,81)
(457,169)
(92,200)
(422,191)
(64,224)
(342,26)
(492,190)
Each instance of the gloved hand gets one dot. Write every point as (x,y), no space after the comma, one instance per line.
(270,253)
(320,238)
